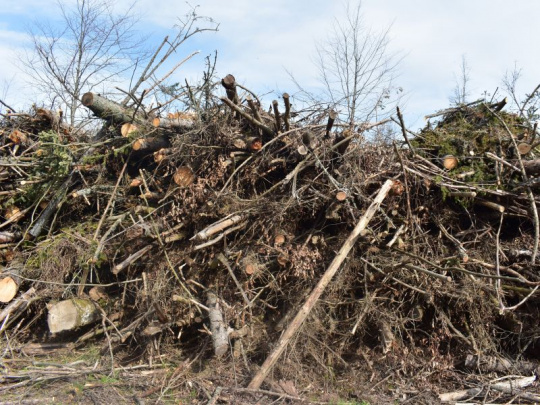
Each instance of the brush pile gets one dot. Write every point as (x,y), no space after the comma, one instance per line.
(188,238)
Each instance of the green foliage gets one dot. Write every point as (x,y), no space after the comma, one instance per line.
(55,163)
(468,133)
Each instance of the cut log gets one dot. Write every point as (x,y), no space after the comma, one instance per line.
(287,114)
(13,213)
(449,162)
(229,83)
(332,115)
(54,119)
(524,148)
(220,338)
(183,121)
(71,314)
(107,109)
(277,116)
(488,364)
(7,237)
(500,105)
(532,167)
(10,313)
(279,239)
(151,143)
(184,176)
(8,289)
(51,209)
(459,395)
(302,150)
(9,284)
(254,144)
(217,227)
(163,154)
(127,129)
(136,182)
(490,205)
(341,196)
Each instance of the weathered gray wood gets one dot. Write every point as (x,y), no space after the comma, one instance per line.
(71,314)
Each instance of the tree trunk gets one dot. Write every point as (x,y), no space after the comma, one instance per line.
(107,109)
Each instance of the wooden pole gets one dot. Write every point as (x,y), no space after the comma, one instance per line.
(319,289)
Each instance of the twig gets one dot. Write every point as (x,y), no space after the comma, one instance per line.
(265,392)
(7,106)
(215,397)
(221,236)
(428,272)
(131,258)
(113,195)
(225,262)
(267,131)
(530,194)
(404,130)
(404,284)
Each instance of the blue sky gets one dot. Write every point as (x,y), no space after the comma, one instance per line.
(259,42)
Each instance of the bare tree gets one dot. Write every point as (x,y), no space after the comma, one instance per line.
(529,107)
(90,46)
(461,90)
(356,66)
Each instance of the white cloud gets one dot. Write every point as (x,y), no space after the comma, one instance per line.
(258,41)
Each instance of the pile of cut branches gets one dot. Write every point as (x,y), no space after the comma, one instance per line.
(222,231)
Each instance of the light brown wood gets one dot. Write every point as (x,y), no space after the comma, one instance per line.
(8,289)
(127,129)
(176,121)
(217,227)
(279,239)
(319,289)
(151,144)
(12,212)
(341,196)
(449,162)
(136,182)
(524,148)
(184,176)
(249,269)
(18,137)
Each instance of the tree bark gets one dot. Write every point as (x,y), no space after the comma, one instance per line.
(218,328)
(151,143)
(107,109)
(175,123)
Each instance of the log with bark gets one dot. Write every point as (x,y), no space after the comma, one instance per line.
(9,283)
(71,314)
(220,338)
(109,110)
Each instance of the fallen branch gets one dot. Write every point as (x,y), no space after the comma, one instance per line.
(217,227)
(220,337)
